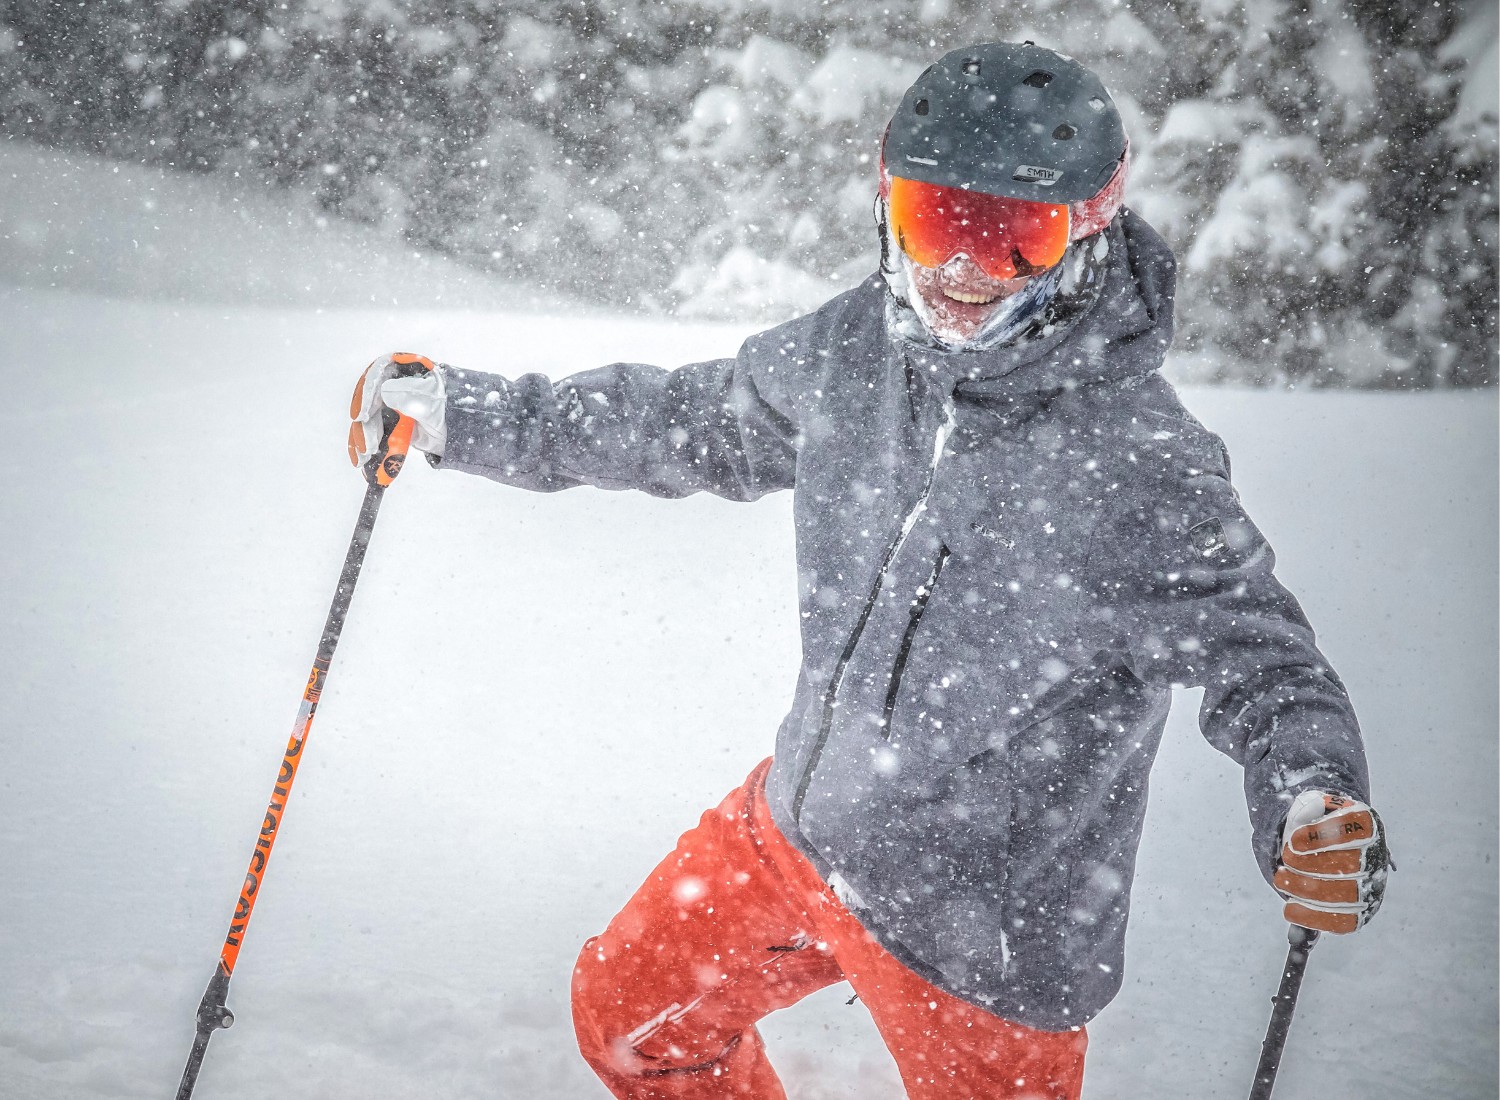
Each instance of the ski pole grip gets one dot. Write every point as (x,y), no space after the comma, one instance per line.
(382,467)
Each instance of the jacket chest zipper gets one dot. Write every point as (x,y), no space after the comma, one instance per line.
(918,607)
(830,696)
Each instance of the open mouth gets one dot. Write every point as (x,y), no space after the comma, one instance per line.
(959,297)
(971,297)
(962,285)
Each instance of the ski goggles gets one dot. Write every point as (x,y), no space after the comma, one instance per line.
(1007,238)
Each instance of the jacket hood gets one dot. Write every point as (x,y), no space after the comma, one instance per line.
(1124,333)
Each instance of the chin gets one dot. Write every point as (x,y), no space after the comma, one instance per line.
(956,312)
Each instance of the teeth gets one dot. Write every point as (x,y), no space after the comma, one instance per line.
(972,299)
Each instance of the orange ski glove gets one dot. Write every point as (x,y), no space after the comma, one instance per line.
(1334,863)
(398,403)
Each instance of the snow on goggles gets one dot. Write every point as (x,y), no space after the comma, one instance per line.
(1007,238)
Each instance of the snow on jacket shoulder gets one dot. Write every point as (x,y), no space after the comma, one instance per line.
(1006,559)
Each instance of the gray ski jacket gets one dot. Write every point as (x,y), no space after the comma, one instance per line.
(1007,559)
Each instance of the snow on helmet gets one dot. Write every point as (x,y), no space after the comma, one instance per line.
(1018,121)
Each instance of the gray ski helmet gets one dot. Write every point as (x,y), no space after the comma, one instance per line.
(1007,119)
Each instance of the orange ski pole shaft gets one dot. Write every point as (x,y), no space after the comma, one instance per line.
(212,1013)
(380,471)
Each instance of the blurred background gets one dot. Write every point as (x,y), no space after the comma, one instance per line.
(1326,167)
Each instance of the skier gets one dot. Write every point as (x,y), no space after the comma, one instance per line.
(1013,540)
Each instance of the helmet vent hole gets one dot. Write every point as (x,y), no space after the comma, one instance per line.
(920,106)
(1065,131)
(971,66)
(1038,79)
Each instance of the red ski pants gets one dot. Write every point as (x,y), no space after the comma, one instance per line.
(735,924)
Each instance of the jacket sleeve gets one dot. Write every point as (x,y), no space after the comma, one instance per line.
(704,427)
(1192,600)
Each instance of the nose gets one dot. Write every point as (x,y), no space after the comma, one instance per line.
(962,267)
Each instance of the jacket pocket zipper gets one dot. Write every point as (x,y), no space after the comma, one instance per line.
(918,608)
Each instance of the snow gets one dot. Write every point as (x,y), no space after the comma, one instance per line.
(116,228)
(1475,46)
(721,123)
(750,284)
(1343,58)
(847,80)
(536,694)
(1263,212)
(765,63)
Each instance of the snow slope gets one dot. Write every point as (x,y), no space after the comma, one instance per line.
(123,229)
(536,694)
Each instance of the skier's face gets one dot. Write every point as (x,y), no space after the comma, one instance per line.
(959,297)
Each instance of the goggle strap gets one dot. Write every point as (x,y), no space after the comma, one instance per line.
(1089,216)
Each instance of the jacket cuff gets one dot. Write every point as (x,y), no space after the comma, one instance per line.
(476,418)
(1274,783)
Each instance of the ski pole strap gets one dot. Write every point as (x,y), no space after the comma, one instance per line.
(1300,944)
(382,467)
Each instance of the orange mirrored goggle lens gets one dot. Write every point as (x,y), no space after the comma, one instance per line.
(1007,238)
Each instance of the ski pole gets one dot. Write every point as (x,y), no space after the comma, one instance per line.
(1301,942)
(380,470)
